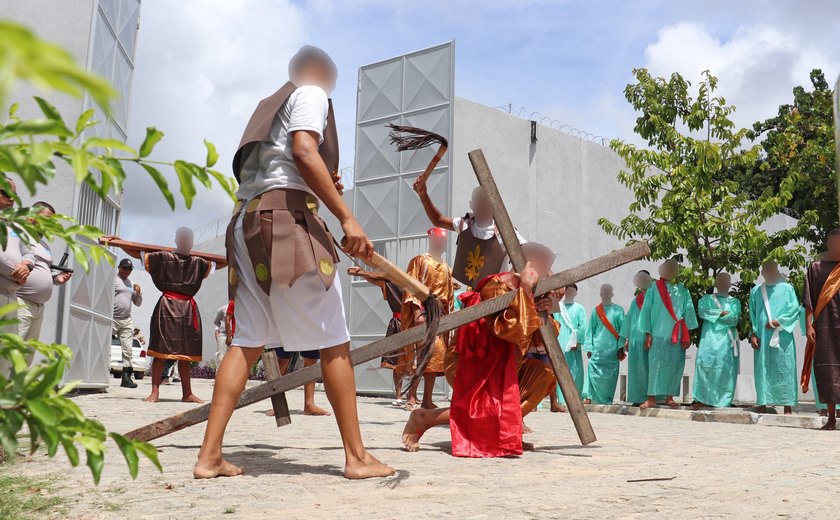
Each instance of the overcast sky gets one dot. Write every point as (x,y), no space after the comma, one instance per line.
(201,66)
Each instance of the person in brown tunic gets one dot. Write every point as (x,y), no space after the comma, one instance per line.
(175,329)
(822,321)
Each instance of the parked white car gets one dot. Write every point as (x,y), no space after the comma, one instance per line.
(138,358)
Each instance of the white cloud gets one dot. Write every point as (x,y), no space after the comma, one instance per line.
(757,66)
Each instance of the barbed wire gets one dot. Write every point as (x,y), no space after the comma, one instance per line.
(554,123)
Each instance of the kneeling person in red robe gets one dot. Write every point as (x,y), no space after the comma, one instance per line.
(494,384)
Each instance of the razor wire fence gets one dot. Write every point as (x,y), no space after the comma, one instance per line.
(554,123)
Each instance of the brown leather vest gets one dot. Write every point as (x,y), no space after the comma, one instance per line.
(259,130)
(475,258)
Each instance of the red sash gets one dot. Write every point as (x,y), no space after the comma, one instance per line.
(602,314)
(679,325)
(640,299)
(485,415)
(184,297)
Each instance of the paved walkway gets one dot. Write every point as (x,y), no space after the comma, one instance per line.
(718,470)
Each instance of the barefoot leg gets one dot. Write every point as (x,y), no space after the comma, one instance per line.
(340,385)
(831,423)
(418,422)
(157,375)
(650,403)
(230,381)
(309,406)
(669,400)
(428,391)
(187,396)
(556,407)
(696,405)
(788,410)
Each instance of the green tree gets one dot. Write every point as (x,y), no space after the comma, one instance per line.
(30,152)
(798,144)
(684,204)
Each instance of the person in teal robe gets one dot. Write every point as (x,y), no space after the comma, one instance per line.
(771,338)
(716,369)
(634,342)
(605,350)
(573,327)
(666,338)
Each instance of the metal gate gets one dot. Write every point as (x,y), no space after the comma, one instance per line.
(415,89)
(85,324)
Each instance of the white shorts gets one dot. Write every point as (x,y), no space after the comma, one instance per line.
(304,316)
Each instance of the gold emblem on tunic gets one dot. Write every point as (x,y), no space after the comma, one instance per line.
(261,271)
(252,205)
(326,266)
(311,203)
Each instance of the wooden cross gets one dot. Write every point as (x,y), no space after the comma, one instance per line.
(517,258)
(390,344)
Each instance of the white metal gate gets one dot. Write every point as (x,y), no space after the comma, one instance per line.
(415,89)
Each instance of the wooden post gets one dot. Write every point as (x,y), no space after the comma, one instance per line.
(517,258)
(379,348)
(278,401)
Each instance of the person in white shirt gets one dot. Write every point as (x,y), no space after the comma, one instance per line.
(12,273)
(37,291)
(125,294)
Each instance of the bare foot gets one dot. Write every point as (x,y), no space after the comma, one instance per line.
(528,446)
(526,430)
(672,404)
(823,413)
(191,399)
(153,398)
(313,410)
(558,408)
(696,405)
(414,429)
(761,409)
(788,410)
(650,403)
(829,426)
(587,401)
(367,468)
(270,413)
(428,406)
(212,470)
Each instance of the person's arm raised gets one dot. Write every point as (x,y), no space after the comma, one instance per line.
(436,217)
(318,178)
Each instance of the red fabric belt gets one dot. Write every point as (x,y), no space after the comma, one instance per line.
(397,315)
(184,297)
(680,327)
(640,299)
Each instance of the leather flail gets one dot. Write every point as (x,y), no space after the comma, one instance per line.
(258,130)
(285,237)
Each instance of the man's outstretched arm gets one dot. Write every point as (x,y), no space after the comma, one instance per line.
(437,218)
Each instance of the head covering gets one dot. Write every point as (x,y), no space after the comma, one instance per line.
(125,263)
(436,232)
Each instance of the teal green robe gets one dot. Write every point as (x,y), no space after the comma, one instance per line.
(716,369)
(637,356)
(666,360)
(602,372)
(574,358)
(775,368)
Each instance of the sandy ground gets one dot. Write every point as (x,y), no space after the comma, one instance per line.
(719,470)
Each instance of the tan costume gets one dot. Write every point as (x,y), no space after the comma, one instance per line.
(437,276)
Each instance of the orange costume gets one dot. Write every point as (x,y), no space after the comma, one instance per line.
(437,276)
(494,384)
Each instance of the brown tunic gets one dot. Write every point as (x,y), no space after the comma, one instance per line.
(475,259)
(827,354)
(175,329)
(393,295)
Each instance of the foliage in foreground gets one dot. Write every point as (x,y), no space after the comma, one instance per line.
(31,152)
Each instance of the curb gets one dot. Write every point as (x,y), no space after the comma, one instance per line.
(733,416)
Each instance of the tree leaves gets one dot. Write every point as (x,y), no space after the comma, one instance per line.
(153,137)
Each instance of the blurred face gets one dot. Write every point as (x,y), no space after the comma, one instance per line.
(437,245)
(317,73)
(770,272)
(541,261)
(6,200)
(834,246)
(723,282)
(642,281)
(480,205)
(124,272)
(606,293)
(669,270)
(184,239)
(571,293)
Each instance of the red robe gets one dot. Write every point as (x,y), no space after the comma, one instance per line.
(485,414)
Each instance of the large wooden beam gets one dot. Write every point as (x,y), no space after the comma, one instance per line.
(517,258)
(389,344)
(279,405)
